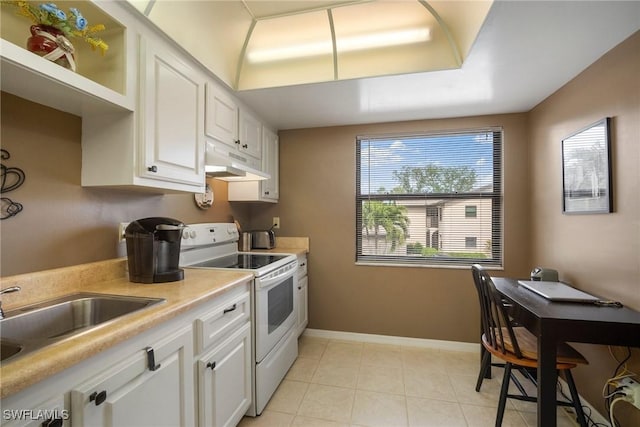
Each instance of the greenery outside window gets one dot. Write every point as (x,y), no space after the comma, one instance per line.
(420,197)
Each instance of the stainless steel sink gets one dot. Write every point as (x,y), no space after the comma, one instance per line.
(32,327)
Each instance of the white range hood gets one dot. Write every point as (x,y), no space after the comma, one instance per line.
(226,165)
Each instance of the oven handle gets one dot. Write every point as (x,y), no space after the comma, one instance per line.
(266,284)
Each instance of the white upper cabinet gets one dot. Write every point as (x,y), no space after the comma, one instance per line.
(160,146)
(231,124)
(172,116)
(250,134)
(221,121)
(270,188)
(266,190)
(146,115)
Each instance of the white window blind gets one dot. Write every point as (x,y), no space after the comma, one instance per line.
(415,196)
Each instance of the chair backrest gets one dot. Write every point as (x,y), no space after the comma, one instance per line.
(495,317)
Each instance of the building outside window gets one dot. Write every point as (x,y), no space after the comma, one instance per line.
(430,199)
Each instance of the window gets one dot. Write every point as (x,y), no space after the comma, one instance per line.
(470,242)
(416,193)
(471,211)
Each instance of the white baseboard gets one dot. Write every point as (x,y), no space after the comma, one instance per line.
(391,340)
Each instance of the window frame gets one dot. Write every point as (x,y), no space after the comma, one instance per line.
(496,196)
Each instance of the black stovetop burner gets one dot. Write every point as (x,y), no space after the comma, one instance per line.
(241,261)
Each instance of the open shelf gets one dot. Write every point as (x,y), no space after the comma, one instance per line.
(100,82)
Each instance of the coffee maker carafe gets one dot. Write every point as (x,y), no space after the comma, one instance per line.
(153,250)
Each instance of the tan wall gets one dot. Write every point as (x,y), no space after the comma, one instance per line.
(317,199)
(63,223)
(598,253)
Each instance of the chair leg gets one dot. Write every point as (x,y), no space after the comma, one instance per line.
(483,352)
(503,394)
(484,366)
(575,398)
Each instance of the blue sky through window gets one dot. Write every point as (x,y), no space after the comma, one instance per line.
(381,157)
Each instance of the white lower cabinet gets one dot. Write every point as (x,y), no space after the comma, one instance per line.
(224,381)
(303,305)
(223,360)
(194,369)
(153,387)
(302,296)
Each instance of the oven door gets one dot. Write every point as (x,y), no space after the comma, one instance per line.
(275,311)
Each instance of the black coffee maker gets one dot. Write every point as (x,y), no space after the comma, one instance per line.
(153,250)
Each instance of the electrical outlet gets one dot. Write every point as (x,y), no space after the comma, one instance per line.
(631,389)
(121,228)
(276,222)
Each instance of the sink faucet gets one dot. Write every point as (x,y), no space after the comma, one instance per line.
(7,291)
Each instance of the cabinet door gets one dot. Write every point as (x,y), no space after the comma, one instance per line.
(224,381)
(221,120)
(303,304)
(172,117)
(250,134)
(135,392)
(270,187)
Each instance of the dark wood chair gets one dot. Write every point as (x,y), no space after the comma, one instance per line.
(486,363)
(517,347)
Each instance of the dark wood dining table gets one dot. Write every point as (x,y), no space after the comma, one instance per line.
(555,322)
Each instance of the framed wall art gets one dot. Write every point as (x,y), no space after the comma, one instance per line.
(586,170)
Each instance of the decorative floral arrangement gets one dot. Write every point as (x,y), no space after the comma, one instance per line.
(72,24)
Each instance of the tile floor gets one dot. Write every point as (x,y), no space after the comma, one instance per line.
(345,383)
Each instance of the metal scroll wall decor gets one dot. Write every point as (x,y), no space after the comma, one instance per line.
(11,179)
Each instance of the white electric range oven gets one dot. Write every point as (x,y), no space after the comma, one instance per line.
(275,344)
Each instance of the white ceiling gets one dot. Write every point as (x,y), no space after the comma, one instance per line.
(525,51)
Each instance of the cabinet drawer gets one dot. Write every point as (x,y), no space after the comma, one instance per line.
(134,392)
(222,320)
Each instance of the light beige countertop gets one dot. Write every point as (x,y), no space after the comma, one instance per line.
(289,245)
(109,277)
